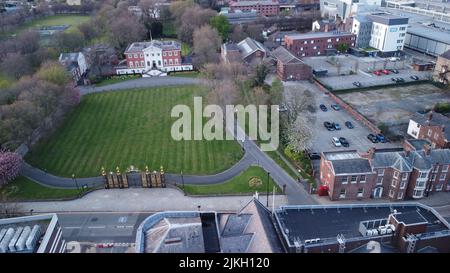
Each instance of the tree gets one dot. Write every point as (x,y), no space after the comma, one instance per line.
(221,24)
(16,65)
(193,18)
(53,72)
(177,9)
(238,34)
(206,44)
(125,30)
(28,41)
(342,48)
(299,134)
(10,164)
(69,41)
(149,9)
(261,73)
(254,31)
(89,29)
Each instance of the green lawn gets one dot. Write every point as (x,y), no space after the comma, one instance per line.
(55,20)
(239,184)
(24,189)
(130,128)
(169,29)
(282,164)
(188,74)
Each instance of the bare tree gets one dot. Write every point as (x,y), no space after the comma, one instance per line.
(299,133)
(125,30)
(206,45)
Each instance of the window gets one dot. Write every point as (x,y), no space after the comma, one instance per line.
(146,54)
(420,184)
(353,179)
(436,169)
(402,28)
(405,176)
(396,173)
(337,39)
(142,55)
(380,172)
(315,47)
(165,62)
(329,40)
(170,53)
(445,168)
(148,63)
(429,132)
(360,192)
(130,55)
(135,55)
(362,179)
(394,183)
(164,53)
(438,187)
(433,177)
(342,193)
(344,180)
(175,53)
(443,176)
(329,46)
(312,41)
(170,61)
(131,64)
(379,180)
(400,195)
(402,34)
(142,63)
(158,54)
(159,62)
(418,193)
(422,175)
(399,41)
(136,64)
(391,193)
(402,185)
(301,48)
(176,61)
(305,42)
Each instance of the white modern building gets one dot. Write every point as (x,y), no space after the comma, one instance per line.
(346,8)
(388,33)
(75,64)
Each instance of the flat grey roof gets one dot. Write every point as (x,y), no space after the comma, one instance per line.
(312,35)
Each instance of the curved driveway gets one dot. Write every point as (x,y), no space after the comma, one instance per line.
(295,193)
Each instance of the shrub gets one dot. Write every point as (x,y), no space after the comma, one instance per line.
(10,164)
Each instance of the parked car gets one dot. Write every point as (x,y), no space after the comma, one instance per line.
(323,108)
(314,156)
(394,79)
(344,142)
(378,73)
(395,71)
(400,80)
(373,138)
(385,71)
(394,59)
(349,125)
(414,77)
(381,138)
(357,84)
(329,125)
(337,126)
(336,107)
(336,142)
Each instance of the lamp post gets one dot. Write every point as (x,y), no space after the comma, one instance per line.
(267,190)
(76,183)
(182,181)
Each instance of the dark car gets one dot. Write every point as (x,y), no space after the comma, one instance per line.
(400,80)
(314,156)
(395,71)
(414,77)
(344,142)
(373,138)
(349,125)
(394,79)
(329,125)
(357,84)
(336,107)
(323,108)
(337,126)
(381,138)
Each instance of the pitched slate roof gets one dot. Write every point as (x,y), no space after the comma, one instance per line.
(394,160)
(405,162)
(436,120)
(248,46)
(351,166)
(284,56)
(446,54)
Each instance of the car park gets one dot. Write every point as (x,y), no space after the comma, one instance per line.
(323,108)
(414,77)
(381,138)
(336,107)
(336,142)
(395,71)
(357,84)
(349,125)
(329,126)
(337,126)
(344,142)
(373,138)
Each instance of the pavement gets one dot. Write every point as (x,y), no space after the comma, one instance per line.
(135,200)
(140,83)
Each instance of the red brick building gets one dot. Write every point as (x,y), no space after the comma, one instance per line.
(318,43)
(290,67)
(396,174)
(433,127)
(264,7)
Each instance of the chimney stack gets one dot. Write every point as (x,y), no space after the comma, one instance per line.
(430,116)
(427,149)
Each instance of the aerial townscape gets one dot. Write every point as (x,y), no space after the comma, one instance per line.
(224,126)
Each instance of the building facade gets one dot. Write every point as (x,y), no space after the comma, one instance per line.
(153,58)
(362,28)
(395,174)
(433,127)
(289,67)
(388,33)
(75,64)
(442,69)
(263,7)
(248,51)
(318,43)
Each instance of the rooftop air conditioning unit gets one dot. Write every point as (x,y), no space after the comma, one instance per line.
(389,230)
(374,232)
(369,232)
(307,241)
(383,231)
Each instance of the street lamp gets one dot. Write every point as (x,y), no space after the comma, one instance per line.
(76,183)
(267,189)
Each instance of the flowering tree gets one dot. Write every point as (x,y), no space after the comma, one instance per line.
(10,163)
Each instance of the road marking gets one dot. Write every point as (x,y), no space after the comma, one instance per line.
(97,227)
(365,73)
(71,227)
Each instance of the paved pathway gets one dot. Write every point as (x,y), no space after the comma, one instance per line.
(140,83)
(145,200)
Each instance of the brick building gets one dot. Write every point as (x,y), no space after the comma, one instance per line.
(154,57)
(318,43)
(290,67)
(263,7)
(396,174)
(248,50)
(433,127)
(442,68)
